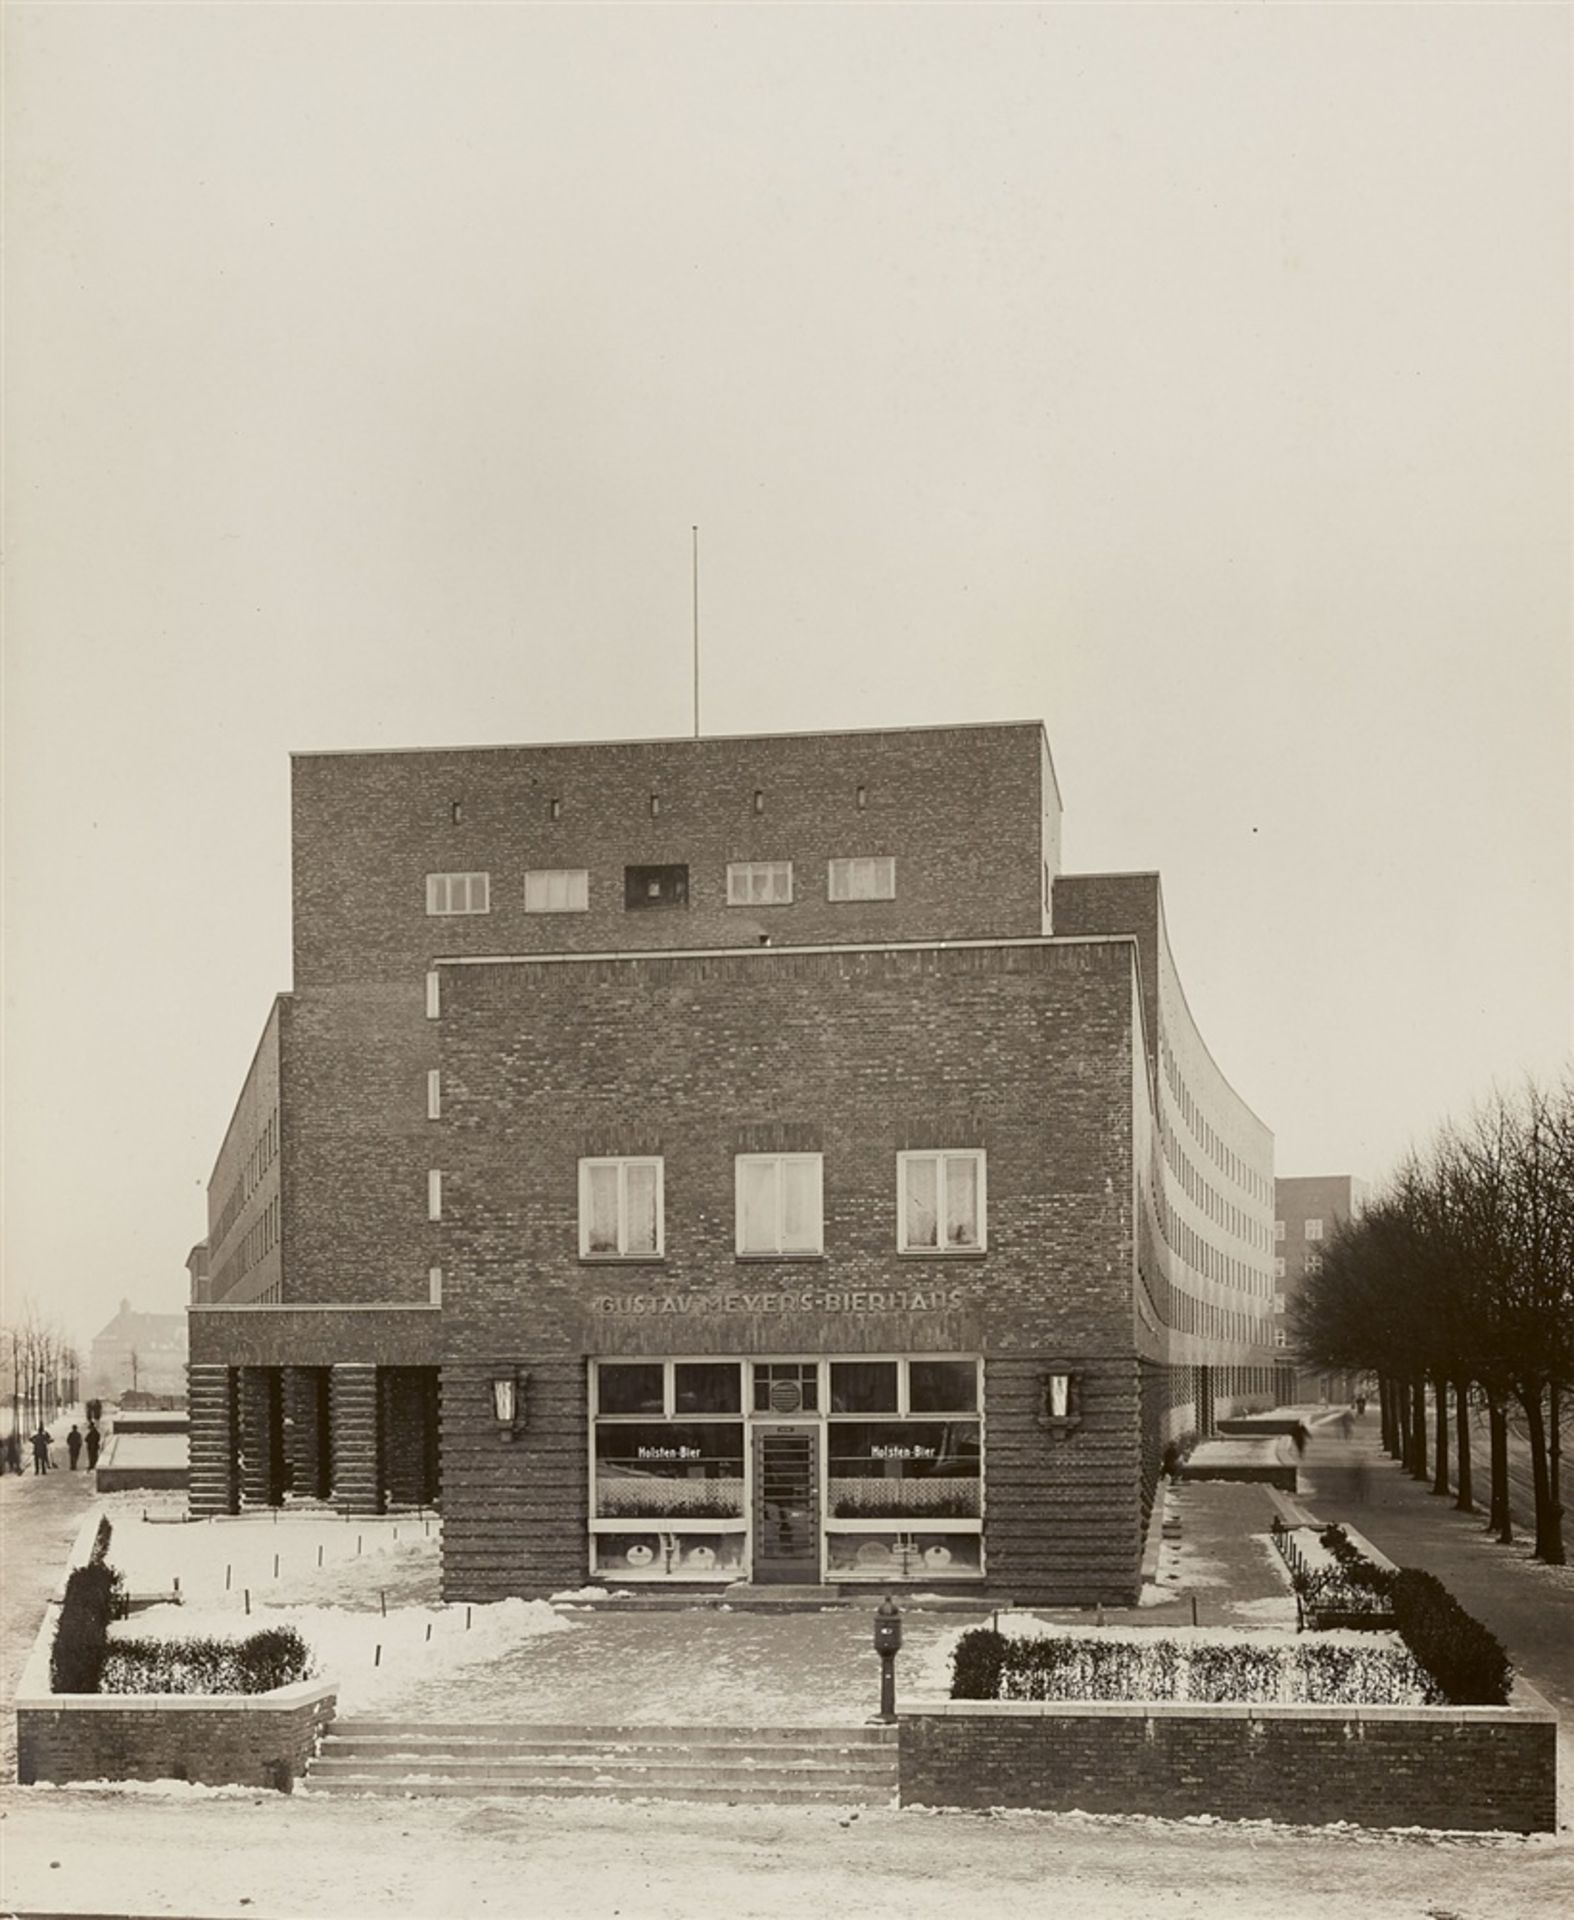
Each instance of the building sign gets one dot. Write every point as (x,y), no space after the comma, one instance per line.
(858,1300)
(668,1453)
(904,1453)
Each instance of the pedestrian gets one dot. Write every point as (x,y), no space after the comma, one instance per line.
(13,1452)
(74,1446)
(41,1449)
(94,1441)
(1299,1436)
(1171,1460)
(1346,1424)
(1360,1406)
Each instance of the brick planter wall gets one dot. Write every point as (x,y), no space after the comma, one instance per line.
(1447,1767)
(248,1740)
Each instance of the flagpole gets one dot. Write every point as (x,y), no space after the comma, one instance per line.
(696,537)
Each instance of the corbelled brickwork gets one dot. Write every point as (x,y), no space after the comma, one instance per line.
(1469,1767)
(213,1439)
(352,1417)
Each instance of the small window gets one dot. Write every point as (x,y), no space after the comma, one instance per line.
(434,1286)
(707,1386)
(863,1386)
(779,1202)
(863,879)
(786,1386)
(655,887)
(1314,1229)
(456,812)
(862,798)
(620,1203)
(434,1195)
(759,799)
(940,1202)
(1278,1269)
(759,883)
(458,893)
(434,1093)
(434,999)
(624,1388)
(1278,1229)
(942,1386)
(555,809)
(557,890)
(1314,1263)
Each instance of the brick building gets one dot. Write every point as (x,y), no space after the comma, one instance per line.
(1307,1208)
(728,1159)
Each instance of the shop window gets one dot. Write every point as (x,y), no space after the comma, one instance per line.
(700,1386)
(759,883)
(458,893)
(655,887)
(623,1388)
(940,1202)
(779,1203)
(620,1209)
(864,1386)
(903,1470)
(557,890)
(862,879)
(666,1470)
(942,1386)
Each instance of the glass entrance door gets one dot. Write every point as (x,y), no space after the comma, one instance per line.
(787,1505)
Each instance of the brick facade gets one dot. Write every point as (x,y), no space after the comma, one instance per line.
(1478,1768)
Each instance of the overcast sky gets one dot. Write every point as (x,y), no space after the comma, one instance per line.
(1196,379)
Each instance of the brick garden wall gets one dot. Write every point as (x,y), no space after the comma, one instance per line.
(252,1740)
(1464,1767)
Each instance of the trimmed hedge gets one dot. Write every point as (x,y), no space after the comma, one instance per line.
(1468,1663)
(92,1599)
(274,1657)
(987,1665)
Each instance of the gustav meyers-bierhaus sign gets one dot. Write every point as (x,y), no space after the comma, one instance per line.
(830,1300)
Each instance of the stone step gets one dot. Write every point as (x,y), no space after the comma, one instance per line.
(385,1750)
(603,1767)
(545,1787)
(665,1733)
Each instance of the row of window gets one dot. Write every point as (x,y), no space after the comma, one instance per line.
(714,1389)
(1314,1264)
(1314,1229)
(265,1150)
(780,1204)
(258,1242)
(750,883)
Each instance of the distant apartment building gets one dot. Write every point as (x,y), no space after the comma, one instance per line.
(1306,1211)
(716,1161)
(138,1352)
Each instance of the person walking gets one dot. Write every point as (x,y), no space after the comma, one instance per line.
(1346,1424)
(13,1452)
(74,1445)
(94,1441)
(41,1449)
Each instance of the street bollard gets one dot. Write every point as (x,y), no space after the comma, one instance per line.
(887,1643)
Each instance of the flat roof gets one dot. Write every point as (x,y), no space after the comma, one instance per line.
(757,950)
(682,739)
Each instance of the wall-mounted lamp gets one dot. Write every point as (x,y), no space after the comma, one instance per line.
(509,1404)
(1060,1405)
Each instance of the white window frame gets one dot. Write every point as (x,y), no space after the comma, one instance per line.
(942,1155)
(544,882)
(841,874)
(454,893)
(622,1162)
(434,996)
(434,1093)
(779,1161)
(1314,1229)
(743,874)
(434,1194)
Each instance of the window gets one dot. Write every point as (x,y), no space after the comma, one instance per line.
(759,883)
(940,1202)
(620,1208)
(434,1093)
(1314,1263)
(434,1286)
(1278,1269)
(1278,1229)
(434,1195)
(557,890)
(779,1202)
(434,1003)
(863,879)
(655,887)
(1314,1229)
(864,1386)
(458,893)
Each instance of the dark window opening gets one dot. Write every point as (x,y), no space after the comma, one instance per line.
(629,1389)
(655,887)
(707,1387)
(863,1386)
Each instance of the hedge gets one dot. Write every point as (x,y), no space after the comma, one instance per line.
(987,1665)
(1468,1663)
(274,1657)
(92,1598)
